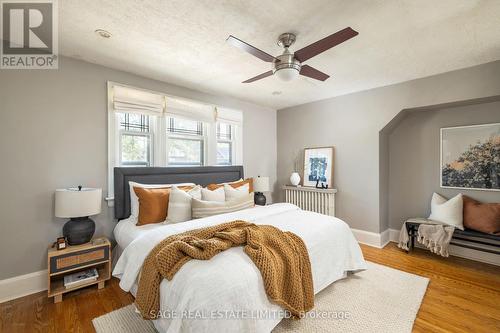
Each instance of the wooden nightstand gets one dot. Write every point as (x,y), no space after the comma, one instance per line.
(96,253)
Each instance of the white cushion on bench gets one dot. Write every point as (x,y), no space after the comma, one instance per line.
(447,211)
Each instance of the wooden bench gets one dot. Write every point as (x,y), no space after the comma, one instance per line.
(468,235)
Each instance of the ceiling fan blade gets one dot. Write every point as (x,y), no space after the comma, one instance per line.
(324,44)
(313,73)
(250,49)
(258,77)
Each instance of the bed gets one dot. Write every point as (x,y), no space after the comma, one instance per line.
(225,293)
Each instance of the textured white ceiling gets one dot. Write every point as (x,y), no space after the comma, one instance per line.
(183,41)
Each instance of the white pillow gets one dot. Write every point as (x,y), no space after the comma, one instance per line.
(179,204)
(232,193)
(209,208)
(215,195)
(447,211)
(134,201)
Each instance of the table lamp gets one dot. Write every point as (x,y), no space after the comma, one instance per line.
(260,185)
(78,204)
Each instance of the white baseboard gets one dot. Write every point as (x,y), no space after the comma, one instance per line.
(394,235)
(486,257)
(457,251)
(371,238)
(22,285)
(385,238)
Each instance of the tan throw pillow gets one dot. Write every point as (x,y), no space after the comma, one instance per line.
(209,208)
(179,204)
(134,202)
(236,184)
(484,217)
(153,204)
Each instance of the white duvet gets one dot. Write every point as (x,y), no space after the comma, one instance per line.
(226,293)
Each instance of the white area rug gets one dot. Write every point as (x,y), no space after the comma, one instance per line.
(380,299)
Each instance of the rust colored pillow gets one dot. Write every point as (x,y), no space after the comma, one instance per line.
(237,184)
(484,217)
(153,203)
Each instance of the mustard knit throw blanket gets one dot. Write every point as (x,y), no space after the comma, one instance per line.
(281,257)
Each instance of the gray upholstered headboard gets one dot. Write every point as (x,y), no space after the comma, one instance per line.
(172,175)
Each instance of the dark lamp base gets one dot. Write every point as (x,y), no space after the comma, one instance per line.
(259,199)
(79,230)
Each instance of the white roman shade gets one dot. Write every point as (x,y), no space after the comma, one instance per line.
(132,100)
(188,109)
(229,116)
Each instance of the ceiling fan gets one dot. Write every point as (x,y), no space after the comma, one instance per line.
(288,66)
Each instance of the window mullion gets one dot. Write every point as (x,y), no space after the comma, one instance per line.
(211,144)
(159,139)
(233,150)
(238,145)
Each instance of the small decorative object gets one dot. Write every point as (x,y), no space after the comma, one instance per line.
(78,204)
(260,185)
(322,186)
(61,243)
(318,167)
(99,241)
(295,179)
(470,157)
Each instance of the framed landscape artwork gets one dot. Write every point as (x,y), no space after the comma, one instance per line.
(470,157)
(318,166)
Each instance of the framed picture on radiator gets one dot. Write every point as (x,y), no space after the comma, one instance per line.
(318,167)
(470,157)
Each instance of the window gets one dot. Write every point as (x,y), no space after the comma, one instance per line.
(146,129)
(225,138)
(135,139)
(185,142)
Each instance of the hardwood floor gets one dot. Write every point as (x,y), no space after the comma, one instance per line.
(463,296)
(37,313)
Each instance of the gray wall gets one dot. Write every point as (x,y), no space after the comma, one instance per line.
(54,135)
(414,158)
(352,124)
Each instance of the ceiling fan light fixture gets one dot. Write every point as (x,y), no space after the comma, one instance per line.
(286,67)
(287,73)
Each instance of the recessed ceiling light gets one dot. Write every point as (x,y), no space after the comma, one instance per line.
(276,93)
(103,33)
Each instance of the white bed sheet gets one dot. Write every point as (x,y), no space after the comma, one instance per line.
(229,284)
(126,231)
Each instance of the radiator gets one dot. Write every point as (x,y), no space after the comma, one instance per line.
(312,199)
